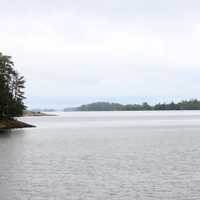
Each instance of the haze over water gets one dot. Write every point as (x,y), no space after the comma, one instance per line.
(103,155)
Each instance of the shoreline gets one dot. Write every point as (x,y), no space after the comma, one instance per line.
(6,124)
(36,114)
(14,124)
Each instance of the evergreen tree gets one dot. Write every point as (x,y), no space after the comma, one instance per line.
(11,89)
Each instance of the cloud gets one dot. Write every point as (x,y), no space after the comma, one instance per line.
(74,51)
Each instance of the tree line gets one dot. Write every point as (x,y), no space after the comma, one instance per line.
(11,89)
(192,104)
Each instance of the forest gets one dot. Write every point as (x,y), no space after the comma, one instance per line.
(192,104)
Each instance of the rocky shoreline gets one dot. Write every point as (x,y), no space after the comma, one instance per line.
(12,124)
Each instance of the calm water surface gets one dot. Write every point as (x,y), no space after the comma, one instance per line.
(103,156)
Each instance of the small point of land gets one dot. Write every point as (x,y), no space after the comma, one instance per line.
(36,114)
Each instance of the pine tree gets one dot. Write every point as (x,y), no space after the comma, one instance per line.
(11,89)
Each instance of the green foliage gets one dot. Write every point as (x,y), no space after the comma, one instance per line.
(192,104)
(11,89)
(99,106)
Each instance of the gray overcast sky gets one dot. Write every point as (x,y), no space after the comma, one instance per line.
(78,51)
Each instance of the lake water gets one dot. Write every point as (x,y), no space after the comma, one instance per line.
(103,156)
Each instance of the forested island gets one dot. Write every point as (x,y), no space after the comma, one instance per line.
(11,95)
(192,104)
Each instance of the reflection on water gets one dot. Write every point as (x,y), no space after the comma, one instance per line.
(104,155)
(5,133)
(10,133)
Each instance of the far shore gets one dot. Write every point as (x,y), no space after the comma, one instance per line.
(36,114)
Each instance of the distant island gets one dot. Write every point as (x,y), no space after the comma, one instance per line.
(192,104)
